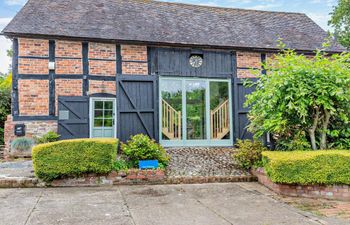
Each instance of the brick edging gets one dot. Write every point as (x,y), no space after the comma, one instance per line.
(331,192)
(132,177)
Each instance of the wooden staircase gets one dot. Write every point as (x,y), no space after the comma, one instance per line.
(219,121)
(171,121)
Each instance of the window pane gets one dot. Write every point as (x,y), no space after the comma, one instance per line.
(98,114)
(196,110)
(108,123)
(98,123)
(219,110)
(171,93)
(108,105)
(98,104)
(108,114)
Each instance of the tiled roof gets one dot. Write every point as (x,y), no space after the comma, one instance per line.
(167,23)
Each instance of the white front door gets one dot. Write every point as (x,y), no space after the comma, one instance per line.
(102,118)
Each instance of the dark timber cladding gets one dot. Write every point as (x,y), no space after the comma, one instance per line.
(174,62)
(137,106)
(73,119)
(15,104)
(52,110)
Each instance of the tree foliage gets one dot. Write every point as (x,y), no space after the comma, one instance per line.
(300,97)
(340,21)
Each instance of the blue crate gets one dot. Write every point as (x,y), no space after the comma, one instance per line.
(148,164)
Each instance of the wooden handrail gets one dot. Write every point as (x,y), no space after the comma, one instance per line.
(171,121)
(219,121)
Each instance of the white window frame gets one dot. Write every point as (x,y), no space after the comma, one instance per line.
(205,142)
(91,115)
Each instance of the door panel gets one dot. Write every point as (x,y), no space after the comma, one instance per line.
(219,110)
(196,110)
(103,117)
(73,119)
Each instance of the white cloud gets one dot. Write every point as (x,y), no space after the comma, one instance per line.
(320,18)
(5,61)
(265,6)
(5,44)
(15,2)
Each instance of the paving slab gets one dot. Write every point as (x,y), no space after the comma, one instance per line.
(202,204)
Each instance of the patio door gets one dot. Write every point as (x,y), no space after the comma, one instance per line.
(195,112)
(102,118)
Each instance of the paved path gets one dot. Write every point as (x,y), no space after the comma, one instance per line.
(204,204)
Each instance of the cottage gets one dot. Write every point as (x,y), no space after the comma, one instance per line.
(114,68)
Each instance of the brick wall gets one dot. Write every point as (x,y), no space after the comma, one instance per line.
(33,97)
(333,192)
(33,128)
(134,59)
(97,86)
(247,61)
(68,57)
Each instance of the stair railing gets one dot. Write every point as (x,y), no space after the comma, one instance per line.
(219,120)
(171,121)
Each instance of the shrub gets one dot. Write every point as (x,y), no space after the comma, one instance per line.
(308,167)
(22,144)
(47,138)
(121,164)
(74,157)
(248,154)
(141,147)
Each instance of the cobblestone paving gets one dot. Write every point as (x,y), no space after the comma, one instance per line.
(203,161)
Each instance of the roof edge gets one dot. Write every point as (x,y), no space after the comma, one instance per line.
(170,44)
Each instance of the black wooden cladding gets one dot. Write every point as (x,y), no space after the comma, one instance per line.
(137,106)
(85,54)
(240,112)
(52,101)
(175,62)
(14,96)
(77,125)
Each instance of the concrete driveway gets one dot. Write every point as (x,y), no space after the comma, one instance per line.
(203,204)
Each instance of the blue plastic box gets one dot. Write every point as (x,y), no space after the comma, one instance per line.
(148,164)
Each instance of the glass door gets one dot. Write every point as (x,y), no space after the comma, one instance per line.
(195,112)
(102,115)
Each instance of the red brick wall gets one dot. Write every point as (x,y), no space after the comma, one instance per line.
(247,61)
(97,86)
(69,49)
(33,47)
(33,97)
(138,55)
(333,192)
(102,59)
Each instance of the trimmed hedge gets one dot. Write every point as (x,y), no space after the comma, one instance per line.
(74,157)
(308,167)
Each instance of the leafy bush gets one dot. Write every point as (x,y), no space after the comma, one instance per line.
(141,147)
(308,167)
(5,103)
(74,157)
(121,164)
(248,154)
(47,138)
(22,144)
(299,98)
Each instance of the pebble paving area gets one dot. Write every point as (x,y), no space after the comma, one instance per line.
(203,161)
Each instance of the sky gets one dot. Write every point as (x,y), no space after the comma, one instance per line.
(318,10)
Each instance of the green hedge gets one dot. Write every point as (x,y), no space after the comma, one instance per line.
(74,157)
(308,167)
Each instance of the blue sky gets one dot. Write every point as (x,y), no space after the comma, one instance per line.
(318,10)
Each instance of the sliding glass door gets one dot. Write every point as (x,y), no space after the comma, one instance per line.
(195,112)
